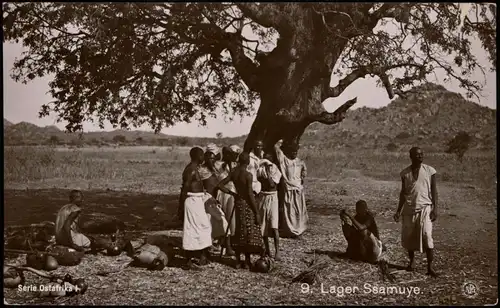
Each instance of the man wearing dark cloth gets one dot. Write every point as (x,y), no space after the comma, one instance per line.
(248,238)
(361,233)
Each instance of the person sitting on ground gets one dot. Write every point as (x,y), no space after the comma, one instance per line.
(361,233)
(68,232)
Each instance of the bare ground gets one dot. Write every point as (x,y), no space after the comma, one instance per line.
(465,237)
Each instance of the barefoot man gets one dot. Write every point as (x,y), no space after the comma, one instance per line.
(211,173)
(228,163)
(269,176)
(293,170)
(248,237)
(418,208)
(197,230)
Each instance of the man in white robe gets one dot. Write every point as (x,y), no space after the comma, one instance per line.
(418,207)
(293,170)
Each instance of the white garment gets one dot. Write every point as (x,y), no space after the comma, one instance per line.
(197,229)
(269,170)
(295,216)
(417,192)
(253,166)
(292,170)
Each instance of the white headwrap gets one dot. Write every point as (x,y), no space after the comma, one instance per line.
(269,170)
(234,148)
(212,147)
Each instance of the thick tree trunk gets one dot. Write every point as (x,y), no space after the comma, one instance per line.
(296,74)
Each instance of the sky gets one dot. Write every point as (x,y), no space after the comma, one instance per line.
(22,102)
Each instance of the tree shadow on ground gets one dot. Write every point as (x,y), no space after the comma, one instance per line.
(139,211)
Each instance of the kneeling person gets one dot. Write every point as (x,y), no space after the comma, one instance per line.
(361,233)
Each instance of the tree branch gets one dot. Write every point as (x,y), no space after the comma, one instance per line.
(363,71)
(268,15)
(337,116)
(400,12)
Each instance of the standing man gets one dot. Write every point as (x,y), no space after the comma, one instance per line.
(269,176)
(197,230)
(256,155)
(226,166)
(418,201)
(211,176)
(293,170)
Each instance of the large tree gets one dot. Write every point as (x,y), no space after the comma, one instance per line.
(136,63)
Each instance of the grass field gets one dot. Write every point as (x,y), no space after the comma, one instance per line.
(130,182)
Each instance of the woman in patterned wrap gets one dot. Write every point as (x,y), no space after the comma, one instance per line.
(248,237)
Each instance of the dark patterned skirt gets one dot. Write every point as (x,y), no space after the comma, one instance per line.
(248,237)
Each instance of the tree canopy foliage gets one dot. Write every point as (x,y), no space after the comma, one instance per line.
(163,63)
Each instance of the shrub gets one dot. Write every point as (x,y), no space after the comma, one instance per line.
(459,145)
(391,147)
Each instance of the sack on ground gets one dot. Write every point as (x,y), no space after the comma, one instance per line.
(149,256)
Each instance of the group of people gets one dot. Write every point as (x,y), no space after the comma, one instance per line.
(239,198)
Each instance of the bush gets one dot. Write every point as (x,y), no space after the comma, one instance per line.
(391,147)
(54,140)
(184,141)
(459,145)
(120,139)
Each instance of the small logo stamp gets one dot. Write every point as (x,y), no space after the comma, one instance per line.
(470,289)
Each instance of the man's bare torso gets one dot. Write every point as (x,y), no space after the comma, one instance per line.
(242,180)
(192,179)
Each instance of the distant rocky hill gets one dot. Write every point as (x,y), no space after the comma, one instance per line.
(430,116)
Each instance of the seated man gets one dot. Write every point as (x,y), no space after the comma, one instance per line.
(361,233)
(67,231)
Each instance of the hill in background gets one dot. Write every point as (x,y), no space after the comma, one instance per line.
(430,116)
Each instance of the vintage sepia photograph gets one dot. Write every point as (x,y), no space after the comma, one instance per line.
(235,154)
